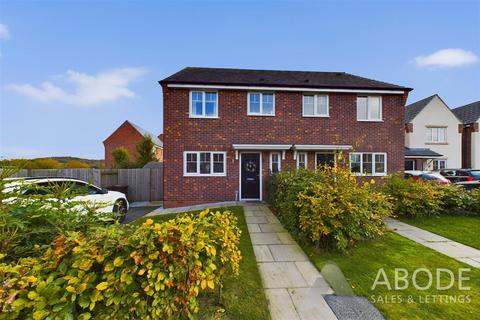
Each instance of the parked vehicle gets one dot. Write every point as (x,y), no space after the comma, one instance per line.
(469,185)
(108,201)
(426,176)
(458,175)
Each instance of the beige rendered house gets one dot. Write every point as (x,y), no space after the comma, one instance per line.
(433,138)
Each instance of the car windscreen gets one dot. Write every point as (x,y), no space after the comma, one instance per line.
(429,177)
(475,173)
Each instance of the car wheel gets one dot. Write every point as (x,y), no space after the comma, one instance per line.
(120,207)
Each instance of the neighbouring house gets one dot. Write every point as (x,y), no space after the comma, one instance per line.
(470,116)
(226,130)
(433,136)
(127,135)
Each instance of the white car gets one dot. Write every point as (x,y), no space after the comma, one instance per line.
(108,201)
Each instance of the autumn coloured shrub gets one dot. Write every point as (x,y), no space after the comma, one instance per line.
(413,198)
(153,271)
(337,211)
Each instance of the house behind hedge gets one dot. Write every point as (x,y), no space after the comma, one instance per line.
(127,135)
(226,130)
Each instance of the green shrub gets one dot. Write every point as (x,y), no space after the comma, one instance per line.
(456,199)
(474,205)
(154,271)
(283,194)
(29,223)
(121,158)
(337,211)
(412,197)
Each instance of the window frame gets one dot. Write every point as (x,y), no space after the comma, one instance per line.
(197,173)
(429,135)
(279,154)
(368,119)
(306,159)
(438,161)
(204,102)
(374,173)
(315,100)
(260,114)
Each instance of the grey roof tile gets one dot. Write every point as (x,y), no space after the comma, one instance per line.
(469,113)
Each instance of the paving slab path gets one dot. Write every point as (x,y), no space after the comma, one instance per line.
(295,289)
(455,250)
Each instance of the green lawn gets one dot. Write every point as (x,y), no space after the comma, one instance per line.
(243,297)
(361,264)
(463,229)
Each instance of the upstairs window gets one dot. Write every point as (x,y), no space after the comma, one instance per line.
(261,104)
(315,105)
(369,108)
(368,164)
(437,134)
(275,164)
(204,163)
(203,104)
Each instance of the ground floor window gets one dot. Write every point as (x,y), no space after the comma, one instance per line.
(323,158)
(275,162)
(409,164)
(439,164)
(302,160)
(203,163)
(368,164)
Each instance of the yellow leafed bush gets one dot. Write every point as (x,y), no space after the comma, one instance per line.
(154,271)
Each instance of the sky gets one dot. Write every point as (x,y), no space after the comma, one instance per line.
(72,71)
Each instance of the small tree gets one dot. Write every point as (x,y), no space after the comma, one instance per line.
(76,164)
(145,151)
(121,157)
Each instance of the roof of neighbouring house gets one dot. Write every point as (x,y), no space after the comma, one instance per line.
(277,78)
(156,141)
(421,152)
(469,113)
(413,109)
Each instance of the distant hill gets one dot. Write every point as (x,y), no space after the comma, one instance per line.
(92,162)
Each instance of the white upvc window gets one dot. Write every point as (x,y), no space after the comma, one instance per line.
(368,164)
(275,162)
(439,164)
(315,105)
(302,160)
(261,104)
(203,104)
(204,163)
(369,108)
(436,134)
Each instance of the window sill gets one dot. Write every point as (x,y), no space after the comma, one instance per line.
(200,117)
(437,143)
(204,175)
(305,116)
(260,115)
(359,120)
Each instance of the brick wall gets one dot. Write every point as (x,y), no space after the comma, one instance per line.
(182,133)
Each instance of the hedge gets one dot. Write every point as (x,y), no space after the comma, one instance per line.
(154,271)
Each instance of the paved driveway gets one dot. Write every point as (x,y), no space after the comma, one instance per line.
(138,212)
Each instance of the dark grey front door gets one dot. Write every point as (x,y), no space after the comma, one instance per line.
(250,176)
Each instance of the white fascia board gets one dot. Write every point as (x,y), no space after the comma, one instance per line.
(321,147)
(424,157)
(261,146)
(217,87)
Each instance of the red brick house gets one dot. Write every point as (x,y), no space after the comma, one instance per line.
(470,117)
(127,135)
(225,130)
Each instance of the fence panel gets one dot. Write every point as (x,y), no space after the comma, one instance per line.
(143,184)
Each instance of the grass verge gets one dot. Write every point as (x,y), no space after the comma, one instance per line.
(361,264)
(463,229)
(243,297)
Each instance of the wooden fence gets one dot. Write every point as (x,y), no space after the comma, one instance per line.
(143,184)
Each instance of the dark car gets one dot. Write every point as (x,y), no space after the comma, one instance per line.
(469,185)
(460,175)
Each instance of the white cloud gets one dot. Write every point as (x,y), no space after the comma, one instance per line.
(447,58)
(4,33)
(86,89)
